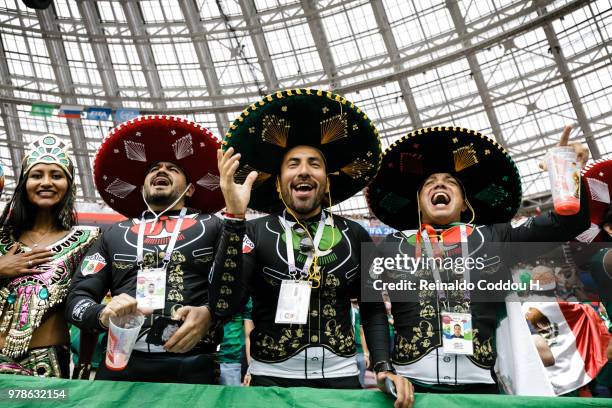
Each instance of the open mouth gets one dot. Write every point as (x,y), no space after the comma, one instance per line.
(160,181)
(440,199)
(303,189)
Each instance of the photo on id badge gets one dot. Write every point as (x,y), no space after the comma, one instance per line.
(457,330)
(150,290)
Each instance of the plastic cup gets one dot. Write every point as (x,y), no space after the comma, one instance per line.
(564,175)
(122,334)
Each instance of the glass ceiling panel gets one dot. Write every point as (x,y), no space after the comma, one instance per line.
(272,4)
(295,49)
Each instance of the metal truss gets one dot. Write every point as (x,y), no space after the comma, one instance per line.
(570,87)
(10,118)
(192,19)
(135,21)
(261,47)
(394,64)
(92,24)
(55,47)
(383,23)
(320,38)
(476,74)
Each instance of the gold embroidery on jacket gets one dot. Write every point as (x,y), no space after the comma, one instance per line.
(345,341)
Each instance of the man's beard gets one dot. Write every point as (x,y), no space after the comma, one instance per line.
(303,207)
(161,199)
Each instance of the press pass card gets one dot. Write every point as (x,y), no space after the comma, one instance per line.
(293,302)
(457,333)
(151,288)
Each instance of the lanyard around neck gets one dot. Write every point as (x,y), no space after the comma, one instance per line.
(289,246)
(171,244)
(438,252)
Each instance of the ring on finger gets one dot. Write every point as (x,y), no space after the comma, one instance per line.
(30,263)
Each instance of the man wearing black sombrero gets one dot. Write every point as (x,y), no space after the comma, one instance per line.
(303,150)
(160,172)
(449,191)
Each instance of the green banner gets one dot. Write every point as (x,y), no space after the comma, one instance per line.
(42,109)
(78,393)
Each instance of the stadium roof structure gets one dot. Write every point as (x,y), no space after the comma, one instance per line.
(515,70)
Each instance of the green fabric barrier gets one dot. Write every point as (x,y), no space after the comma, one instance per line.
(123,394)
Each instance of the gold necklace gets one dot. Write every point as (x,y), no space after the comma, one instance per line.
(35,243)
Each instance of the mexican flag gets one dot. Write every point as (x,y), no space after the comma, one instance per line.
(576,336)
(92,264)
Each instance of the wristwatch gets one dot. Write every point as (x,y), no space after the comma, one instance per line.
(384,366)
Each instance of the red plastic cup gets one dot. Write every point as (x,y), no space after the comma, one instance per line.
(568,206)
(122,334)
(564,174)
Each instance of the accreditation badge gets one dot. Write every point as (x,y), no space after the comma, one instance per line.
(457,333)
(151,288)
(293,302)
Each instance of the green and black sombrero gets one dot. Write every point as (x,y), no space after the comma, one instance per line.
(267,129)
(487,172)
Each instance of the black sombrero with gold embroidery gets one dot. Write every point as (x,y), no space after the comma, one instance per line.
(487,172)
(268,128)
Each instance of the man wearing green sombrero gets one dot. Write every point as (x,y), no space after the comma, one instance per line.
(449,191)
(300,151)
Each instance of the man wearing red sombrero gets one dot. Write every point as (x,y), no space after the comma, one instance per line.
(298,152)
(450,192)
(160,172)
(598,179)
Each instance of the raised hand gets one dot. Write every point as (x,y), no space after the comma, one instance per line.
(236,195)
(582,151)
(13,265)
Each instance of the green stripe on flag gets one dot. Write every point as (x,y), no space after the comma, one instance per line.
(42,109)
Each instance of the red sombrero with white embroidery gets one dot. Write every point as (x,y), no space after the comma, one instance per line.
(598,179)
(134,146)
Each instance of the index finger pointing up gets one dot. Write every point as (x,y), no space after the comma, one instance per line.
(565,135)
